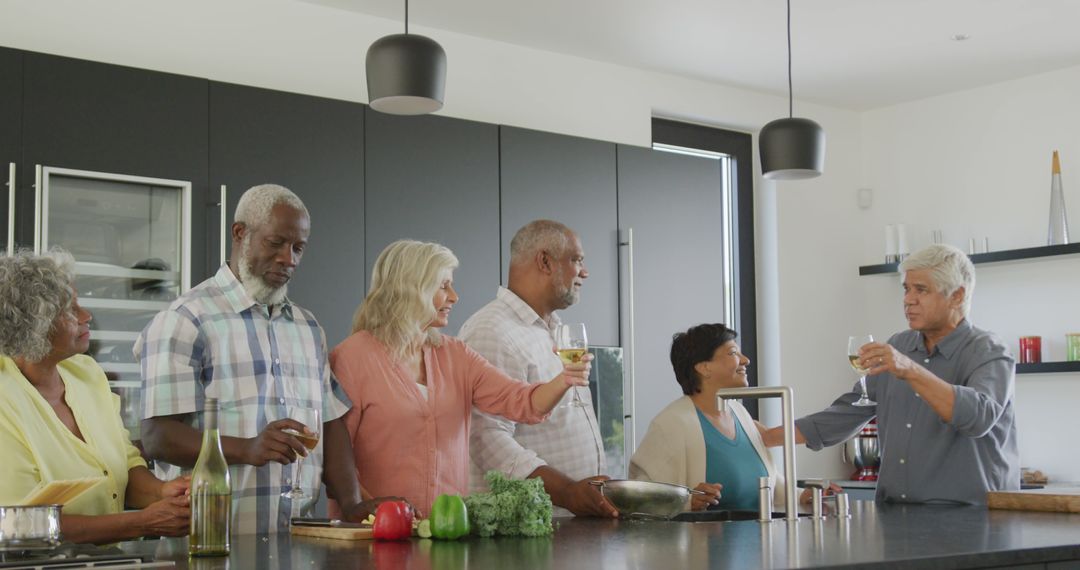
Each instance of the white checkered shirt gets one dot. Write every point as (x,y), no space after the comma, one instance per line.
(216,342)
(509,333)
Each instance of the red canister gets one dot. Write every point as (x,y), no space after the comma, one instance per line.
(1030,349)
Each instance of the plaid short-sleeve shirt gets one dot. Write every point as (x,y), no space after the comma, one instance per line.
(262,364)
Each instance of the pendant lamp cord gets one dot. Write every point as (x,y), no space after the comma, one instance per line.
(789,28)
(791,92)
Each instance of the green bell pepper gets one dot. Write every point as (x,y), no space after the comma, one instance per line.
(449,518)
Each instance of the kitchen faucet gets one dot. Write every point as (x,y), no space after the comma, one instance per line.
(788,421)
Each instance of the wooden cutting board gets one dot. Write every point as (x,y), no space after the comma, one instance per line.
(1051,499)
(336,533)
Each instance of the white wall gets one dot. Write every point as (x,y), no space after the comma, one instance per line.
(974,164)
(808,242)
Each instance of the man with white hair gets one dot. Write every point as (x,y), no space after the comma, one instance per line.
(238,338)
(944,393)
(515,332)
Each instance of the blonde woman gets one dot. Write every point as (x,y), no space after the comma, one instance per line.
(413,389)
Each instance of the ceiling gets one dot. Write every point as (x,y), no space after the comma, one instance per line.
(854,54)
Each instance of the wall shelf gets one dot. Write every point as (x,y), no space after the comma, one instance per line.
(993,256)
(1047,367)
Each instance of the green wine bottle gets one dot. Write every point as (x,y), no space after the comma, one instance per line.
(211,492)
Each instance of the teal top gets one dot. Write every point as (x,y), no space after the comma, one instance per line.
(734,463)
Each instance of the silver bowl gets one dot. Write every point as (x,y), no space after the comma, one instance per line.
(29,527)
(645,499)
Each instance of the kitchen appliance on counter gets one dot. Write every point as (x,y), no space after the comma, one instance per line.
(863,451)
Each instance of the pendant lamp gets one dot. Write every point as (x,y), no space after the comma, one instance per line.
(791,148)
(406,73)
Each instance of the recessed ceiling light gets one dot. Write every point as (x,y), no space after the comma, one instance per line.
(960,37)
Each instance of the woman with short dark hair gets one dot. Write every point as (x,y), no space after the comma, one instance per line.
(696,442)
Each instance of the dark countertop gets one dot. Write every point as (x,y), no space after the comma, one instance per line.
(877,535)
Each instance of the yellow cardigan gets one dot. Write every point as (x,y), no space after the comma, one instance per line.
(673,450)
(36,447)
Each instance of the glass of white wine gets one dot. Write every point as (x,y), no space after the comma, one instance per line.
(853,345)
(310,418)
(572,344)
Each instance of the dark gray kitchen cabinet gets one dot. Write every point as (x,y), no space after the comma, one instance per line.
(97,117)
(11,63)
(314,147)
(435,178)
(571,180)
(674,205)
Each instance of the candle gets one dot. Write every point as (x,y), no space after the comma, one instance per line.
(901,240)
(890,243)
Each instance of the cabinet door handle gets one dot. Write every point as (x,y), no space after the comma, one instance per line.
(224,203)
(11,210)
(37,209)
(630,444)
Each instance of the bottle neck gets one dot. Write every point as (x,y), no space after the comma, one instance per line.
(210,418)
(210,422)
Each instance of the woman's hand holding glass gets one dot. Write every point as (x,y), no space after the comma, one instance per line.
(572,345)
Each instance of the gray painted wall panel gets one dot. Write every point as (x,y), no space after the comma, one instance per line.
(437,179)
(571,180)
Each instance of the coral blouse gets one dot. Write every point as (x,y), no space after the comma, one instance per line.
(414,447)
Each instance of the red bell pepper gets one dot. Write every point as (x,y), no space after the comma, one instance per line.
(393,521)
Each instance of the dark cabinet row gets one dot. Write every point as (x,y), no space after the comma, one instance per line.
(369,179)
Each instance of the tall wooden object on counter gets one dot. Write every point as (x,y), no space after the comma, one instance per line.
(1052,499)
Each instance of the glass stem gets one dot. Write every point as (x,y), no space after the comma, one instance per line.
(300,460)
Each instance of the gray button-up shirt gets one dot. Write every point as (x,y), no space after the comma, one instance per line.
(923,458)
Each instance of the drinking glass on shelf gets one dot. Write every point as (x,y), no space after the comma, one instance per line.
(853,345)
(572,344)
(310,418)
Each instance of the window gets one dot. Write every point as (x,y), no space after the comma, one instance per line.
(732,150)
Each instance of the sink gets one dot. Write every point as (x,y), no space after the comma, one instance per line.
(721,516)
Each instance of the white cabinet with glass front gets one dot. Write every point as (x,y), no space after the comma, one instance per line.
(130,236)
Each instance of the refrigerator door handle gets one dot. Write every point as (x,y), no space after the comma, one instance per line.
(630,409)
(37,209)
(223,202)
(11,210)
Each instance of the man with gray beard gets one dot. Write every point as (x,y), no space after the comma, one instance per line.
(515,333)
(238,338)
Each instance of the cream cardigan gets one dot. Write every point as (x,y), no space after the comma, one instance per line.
(673,450)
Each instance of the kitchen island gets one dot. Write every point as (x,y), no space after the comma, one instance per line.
(876,536)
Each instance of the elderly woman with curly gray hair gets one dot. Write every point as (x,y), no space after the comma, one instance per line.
(58,418)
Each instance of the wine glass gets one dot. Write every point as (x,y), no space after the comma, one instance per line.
(572,344)
(853,345)
(310,418)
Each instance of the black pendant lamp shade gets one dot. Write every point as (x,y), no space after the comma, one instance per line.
(406,73)
(791,148)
